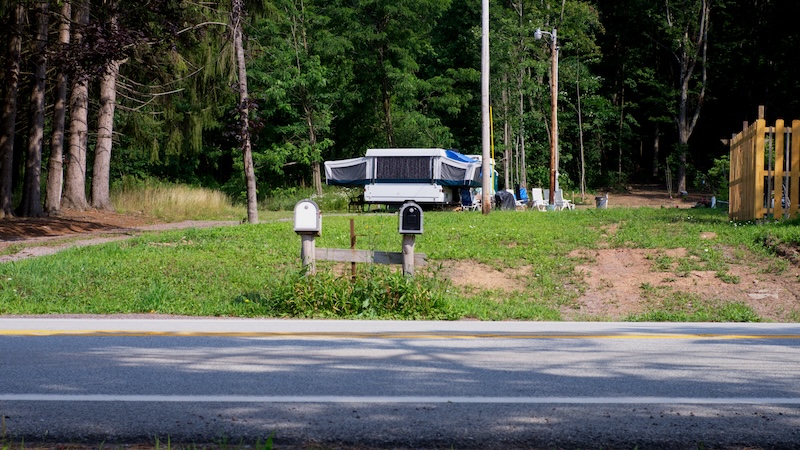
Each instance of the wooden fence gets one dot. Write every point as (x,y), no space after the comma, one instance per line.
(765,172)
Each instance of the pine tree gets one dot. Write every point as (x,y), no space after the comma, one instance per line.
(9,110)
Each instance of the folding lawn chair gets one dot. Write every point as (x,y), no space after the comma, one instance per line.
(560,202)
(537,199)
(468,203)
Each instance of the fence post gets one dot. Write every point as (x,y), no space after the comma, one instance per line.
(308,252)
(408,254)
(757,203)
(777,185)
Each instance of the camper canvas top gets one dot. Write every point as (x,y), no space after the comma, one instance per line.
(384,152)
(404,165)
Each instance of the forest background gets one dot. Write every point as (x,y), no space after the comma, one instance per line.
(222,94)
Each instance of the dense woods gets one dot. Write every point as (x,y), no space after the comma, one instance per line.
(251,96)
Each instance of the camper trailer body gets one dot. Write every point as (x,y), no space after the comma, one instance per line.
(393,176)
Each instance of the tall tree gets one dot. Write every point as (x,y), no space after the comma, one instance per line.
(299,84)
(9,111)
(236,24)
(658,55)
(55,172)
(687,22)
(389,38)
(31,196)
(523,67)
(101,197)
(74,196)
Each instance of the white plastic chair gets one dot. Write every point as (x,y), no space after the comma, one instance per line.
(560,202)
(537,199)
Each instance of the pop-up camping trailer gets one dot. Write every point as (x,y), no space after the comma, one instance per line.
(394,175)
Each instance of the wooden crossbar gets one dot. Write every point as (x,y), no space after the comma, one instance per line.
(367,256)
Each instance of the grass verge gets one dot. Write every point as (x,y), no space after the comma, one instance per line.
(254,270)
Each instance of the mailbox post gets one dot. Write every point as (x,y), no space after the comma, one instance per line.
(308,224)
(410,225)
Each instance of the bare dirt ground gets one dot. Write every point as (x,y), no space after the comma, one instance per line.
(22,238)
(612,277)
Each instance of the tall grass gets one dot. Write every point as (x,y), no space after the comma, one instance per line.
(172,202)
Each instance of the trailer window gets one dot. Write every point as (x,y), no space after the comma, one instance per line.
(409,169)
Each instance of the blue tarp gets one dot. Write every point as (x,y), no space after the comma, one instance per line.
(452,154)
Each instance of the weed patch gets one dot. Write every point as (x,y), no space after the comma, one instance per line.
(376,292)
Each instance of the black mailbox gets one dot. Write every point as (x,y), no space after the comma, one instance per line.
(410,218)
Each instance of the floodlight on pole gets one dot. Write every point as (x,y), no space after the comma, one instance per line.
(538,35)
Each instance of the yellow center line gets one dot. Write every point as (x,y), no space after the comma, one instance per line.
(389,335)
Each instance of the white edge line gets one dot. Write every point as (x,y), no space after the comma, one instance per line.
(400,399)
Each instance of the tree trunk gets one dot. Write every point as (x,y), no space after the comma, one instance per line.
(9,117)
(656,145)
(386,99)
(316,172)
(308,104)
(387,111)
(693,52)
(55,172)
(101,197)
(32,192)
(101,171)
(75,182)
(237,15)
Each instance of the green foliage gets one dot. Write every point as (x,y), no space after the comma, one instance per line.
(717,178)
(330,79)
(298,71)
(376,293)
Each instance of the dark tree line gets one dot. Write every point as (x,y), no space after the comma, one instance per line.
(226,93)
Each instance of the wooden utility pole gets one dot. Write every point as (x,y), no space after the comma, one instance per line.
(553,116)
(486,167)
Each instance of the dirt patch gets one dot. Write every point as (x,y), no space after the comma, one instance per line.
(48,235)
(472,274)
(648,195)
(618,280)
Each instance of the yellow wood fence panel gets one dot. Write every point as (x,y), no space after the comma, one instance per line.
(750,167)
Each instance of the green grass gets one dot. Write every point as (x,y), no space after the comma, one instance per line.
(254,270)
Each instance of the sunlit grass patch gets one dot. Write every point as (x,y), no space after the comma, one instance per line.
(172,202)
(255,270)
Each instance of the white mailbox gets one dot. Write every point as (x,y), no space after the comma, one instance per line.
(307,217)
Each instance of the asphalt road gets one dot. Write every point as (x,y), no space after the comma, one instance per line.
(402,384)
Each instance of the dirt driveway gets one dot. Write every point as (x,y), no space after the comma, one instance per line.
(22,238)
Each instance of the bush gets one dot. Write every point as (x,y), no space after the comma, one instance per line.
(376,293)
(332,198)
